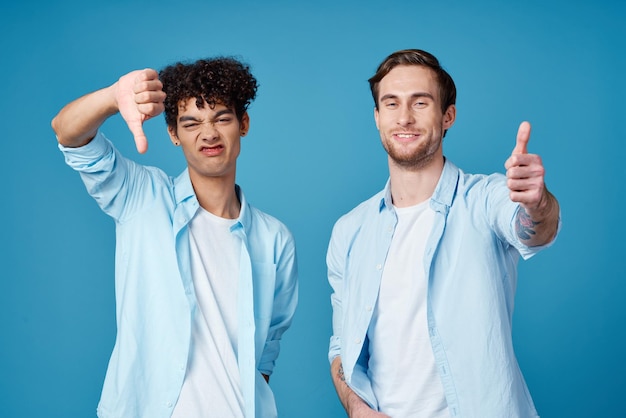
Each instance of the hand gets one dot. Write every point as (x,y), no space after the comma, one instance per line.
(139,95)
(538,218)
(352,403)
(525,173)
(364,411)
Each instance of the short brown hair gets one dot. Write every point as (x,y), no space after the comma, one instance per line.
(447,89)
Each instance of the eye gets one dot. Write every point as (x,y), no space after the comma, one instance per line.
(224,120)
(190,125)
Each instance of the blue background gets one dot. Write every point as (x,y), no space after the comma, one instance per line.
(312,154)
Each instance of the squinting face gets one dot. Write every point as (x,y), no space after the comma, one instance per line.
(210,138)
(409,116)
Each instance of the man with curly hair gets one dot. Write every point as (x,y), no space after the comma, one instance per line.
(206,284)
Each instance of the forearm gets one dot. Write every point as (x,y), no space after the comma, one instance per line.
(78,122)
(538,226)
(351,402)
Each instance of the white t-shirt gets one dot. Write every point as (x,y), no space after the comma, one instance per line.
(212,383)
(402,365)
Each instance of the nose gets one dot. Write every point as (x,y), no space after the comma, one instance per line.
(209,132)
(405,116)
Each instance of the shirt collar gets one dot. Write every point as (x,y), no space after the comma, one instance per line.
(183,189)
(244,219)
(442,197)
(385,201)
(183,193)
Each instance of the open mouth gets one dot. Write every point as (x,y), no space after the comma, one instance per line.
(212,151)
(405,137)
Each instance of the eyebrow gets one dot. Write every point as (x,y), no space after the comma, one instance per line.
(195,119)
(413,96)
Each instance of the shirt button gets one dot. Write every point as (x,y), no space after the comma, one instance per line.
(379,266)
(368,308)
(357,341)
(169,404)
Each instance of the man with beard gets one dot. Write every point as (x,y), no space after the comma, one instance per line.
(424,272)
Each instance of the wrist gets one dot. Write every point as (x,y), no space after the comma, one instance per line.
(355,404)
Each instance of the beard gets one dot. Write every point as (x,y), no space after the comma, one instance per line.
(414,158)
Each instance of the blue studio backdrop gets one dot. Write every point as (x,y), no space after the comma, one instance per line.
(312,154)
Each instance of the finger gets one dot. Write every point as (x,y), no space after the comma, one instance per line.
(146,82)
(523,135)
(141,142)
(146,74)
(150,109)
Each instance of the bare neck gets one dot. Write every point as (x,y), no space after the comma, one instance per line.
(217,195)
(411,186)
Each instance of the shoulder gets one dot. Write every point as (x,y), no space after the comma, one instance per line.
(477,186)
(268,224)
(454,177)
(350,222)
(480,196)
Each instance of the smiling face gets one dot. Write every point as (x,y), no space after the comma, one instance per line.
(409,116)
(210,137)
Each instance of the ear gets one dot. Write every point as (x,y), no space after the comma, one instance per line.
(244,125)
(449,117)
(376,117)
(173,137)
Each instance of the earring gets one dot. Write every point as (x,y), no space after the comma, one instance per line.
(177,143)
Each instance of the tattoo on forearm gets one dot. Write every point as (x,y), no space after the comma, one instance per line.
(525,226)
(340,373)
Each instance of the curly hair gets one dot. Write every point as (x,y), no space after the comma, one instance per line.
(220,80)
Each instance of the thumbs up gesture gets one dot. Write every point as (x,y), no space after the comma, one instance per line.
(525,173)
(139,95)
(538,220)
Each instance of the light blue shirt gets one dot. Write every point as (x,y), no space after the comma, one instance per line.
(471,264)
(154,290)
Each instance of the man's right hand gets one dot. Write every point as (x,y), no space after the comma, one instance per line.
(352,403)
(362,410)
(139,96)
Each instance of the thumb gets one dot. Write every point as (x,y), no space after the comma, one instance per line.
(136,128)
(523,135)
